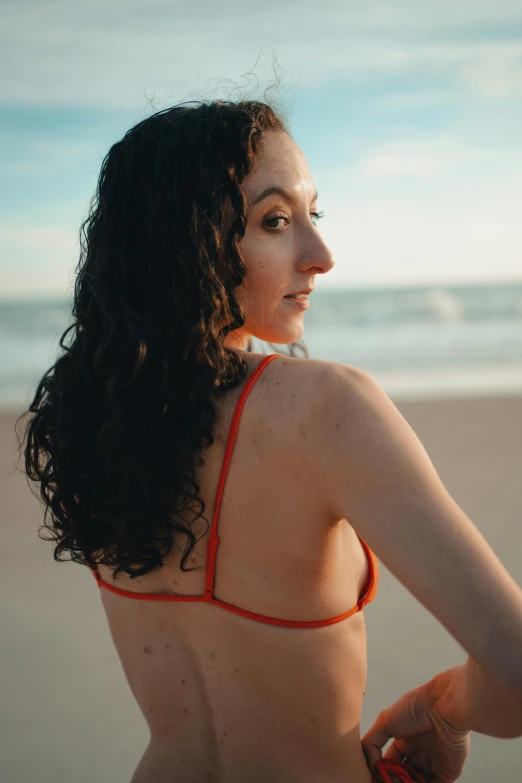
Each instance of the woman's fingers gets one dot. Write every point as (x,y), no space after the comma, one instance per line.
(372,756)
(373,742)
(397,751)
(379,734)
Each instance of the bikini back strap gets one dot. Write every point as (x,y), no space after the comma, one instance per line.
(213,541)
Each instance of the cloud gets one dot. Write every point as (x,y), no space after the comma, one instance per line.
(101,54)
(431,158)
(498,74)
(386,241)
(396,101)
(41,156)
(417,158)
(410,14)
(37,258)
(424,209)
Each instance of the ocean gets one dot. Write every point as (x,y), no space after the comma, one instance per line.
(424,342)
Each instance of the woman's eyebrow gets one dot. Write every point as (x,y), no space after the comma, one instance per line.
(280,192)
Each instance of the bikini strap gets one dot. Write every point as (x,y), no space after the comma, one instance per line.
(213,540)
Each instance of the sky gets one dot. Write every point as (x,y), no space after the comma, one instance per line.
(409,114)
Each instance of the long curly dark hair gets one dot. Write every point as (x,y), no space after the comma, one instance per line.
(122,416)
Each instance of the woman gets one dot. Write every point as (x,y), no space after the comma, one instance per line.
(236,607)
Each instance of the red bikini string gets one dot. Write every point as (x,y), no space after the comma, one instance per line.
(386,766)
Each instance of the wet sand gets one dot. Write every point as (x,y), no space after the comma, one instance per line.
(66,712)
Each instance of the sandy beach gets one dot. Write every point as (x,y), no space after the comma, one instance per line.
(66,712)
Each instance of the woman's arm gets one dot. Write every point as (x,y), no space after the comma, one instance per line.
(468,699)
(431,724)
(378,476)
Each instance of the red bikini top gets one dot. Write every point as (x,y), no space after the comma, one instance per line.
(368,592)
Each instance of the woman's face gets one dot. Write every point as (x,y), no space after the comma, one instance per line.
(282,247)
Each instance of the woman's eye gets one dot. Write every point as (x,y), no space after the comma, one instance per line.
(314,215)
(271,220)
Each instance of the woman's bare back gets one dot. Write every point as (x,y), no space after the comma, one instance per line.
(227,698)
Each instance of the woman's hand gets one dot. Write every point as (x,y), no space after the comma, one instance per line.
(435,748)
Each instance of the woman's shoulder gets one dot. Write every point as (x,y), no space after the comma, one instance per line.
(297,395)
(310,384)
(304,375)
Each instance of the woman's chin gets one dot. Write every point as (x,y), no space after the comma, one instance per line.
(282,337)
(281,334)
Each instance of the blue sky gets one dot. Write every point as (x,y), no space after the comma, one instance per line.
(410,116)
